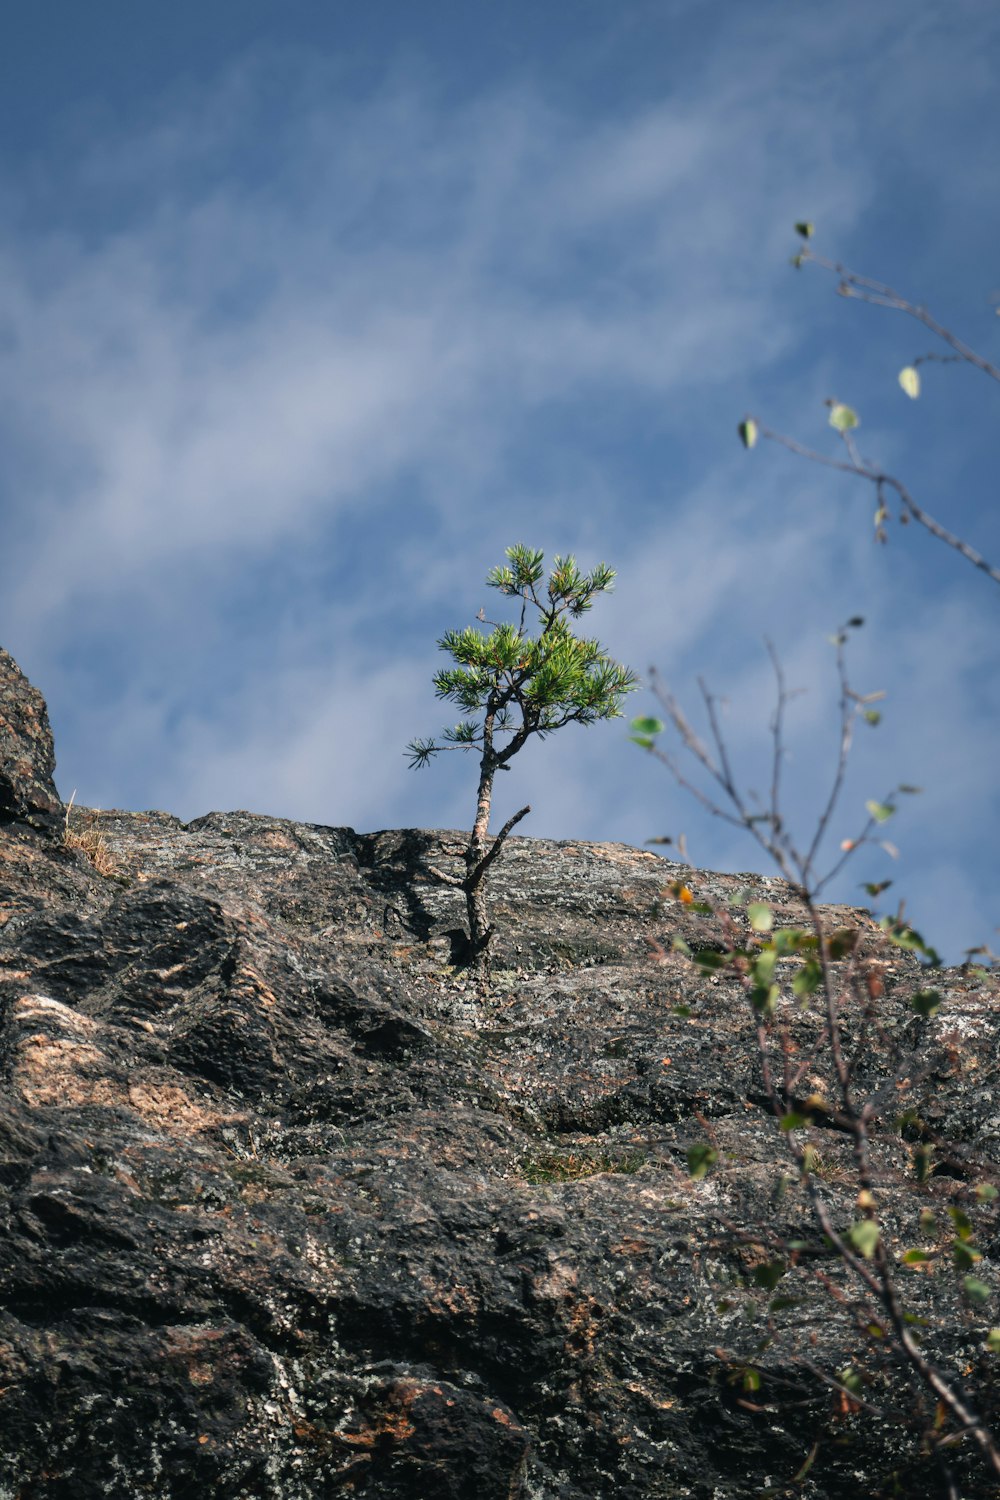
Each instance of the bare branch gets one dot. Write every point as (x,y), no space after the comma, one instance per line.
(865,289)
(847,716)
(777,735)
(881,480)
(498,842)
(726,777)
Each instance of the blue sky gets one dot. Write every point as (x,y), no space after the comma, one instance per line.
(308,310)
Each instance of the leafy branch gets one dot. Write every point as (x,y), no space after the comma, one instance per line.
(810,1074)
(845,420)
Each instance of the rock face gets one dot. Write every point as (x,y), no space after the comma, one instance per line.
(293,1209)
(27,759)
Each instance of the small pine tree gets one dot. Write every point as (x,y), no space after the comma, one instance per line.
(521,685)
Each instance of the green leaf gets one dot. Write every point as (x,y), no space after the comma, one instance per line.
(808,979)
(764,999)
(864,1237)
(751,1380)
(928,1222)
(700,1159)
(764,966)
(965,1256)
(876,887)
(647,726)
(880,811)
(805,228)
(843,418)
(709,960)
(850,1380)
(915,1257)
(769,1275)
(906,937)
(793,1120)
(927,1003)
(680,946)
(923,1162)
(976,1290)
(872,716)
(961,1221)
(760,916)
(993,1341)
(779,1304)
(841,944)
(795,940)
(748,432)
(909,379)
(986,1192)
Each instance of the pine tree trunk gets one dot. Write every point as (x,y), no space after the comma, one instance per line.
(480,930)
(475,881)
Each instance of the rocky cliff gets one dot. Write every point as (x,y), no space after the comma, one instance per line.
(293,1208)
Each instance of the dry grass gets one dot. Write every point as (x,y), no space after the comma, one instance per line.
(566,1166)
(88,837)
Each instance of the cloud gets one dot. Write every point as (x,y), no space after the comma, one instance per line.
(231,365)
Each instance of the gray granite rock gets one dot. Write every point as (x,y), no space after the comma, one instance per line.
(27,757)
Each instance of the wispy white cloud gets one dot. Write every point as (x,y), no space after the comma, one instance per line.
(231,363)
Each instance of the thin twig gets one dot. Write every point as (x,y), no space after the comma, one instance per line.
(843,752)
(882,480)
(497,844)
(865,289)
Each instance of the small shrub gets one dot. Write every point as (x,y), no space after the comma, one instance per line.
(521,686)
